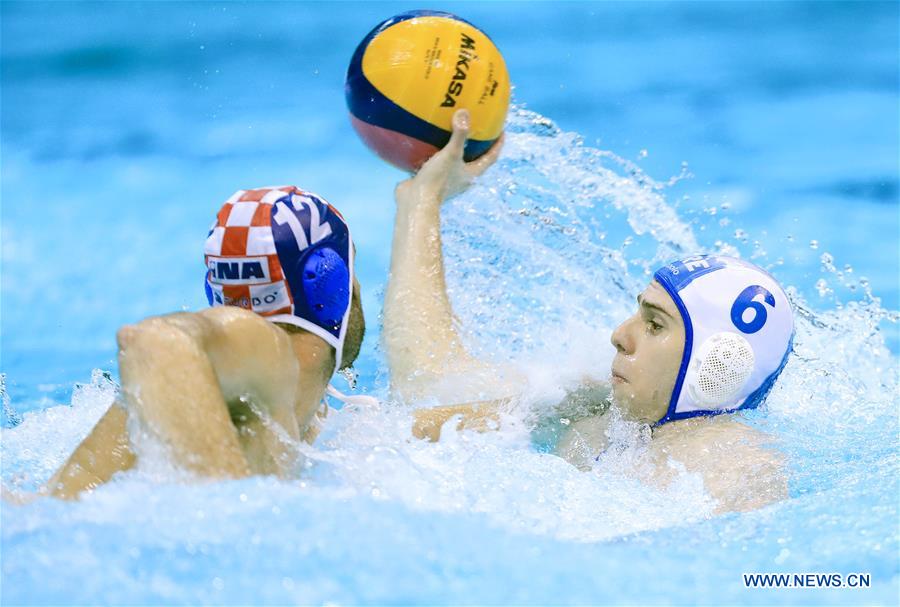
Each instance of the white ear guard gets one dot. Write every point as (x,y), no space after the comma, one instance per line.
(721,368)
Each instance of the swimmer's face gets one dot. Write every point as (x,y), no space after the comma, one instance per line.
(649,347)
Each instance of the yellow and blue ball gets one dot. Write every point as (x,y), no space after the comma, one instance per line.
(409,76)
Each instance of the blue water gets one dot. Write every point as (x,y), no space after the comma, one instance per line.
(125,125)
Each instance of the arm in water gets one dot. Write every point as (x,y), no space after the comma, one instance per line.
(581,409)
(482,417)
(422,344)
(221,390)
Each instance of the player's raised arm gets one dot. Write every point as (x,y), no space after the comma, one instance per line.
(422,343)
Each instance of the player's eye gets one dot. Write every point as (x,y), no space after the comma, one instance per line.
(653,326)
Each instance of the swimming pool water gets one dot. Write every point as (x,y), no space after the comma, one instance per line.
(125,125)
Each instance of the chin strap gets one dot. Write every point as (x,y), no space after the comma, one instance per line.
(355,399)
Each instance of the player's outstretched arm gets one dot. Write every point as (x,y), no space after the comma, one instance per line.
(420,338)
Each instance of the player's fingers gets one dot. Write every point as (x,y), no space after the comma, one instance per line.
(457,142)
(482,163)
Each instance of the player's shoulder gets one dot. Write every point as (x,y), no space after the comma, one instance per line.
(244,331)
(223,314)
(741,466)
(222,322)
(721,438)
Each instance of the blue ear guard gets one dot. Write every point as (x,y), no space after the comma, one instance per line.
(326,278)
(315,251)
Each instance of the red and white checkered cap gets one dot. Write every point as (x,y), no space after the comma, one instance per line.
(255,233)
(243,233)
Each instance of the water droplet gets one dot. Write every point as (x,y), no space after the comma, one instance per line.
(782,556)
(350,375)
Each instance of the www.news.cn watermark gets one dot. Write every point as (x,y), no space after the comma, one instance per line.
(807,580)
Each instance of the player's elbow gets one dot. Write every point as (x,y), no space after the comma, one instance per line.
(126,335)
(170,337)
(129,335)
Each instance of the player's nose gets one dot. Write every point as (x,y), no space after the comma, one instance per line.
(622,338)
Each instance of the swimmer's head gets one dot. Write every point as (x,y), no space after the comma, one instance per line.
(711,335)
(287,255)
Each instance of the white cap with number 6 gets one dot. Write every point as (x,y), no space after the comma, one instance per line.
(738,334)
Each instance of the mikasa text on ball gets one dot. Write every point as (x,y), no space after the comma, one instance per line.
(409,76)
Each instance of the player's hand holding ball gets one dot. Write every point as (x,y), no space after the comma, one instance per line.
(446,173)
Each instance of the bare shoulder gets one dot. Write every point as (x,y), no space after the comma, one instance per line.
(192,323)
(246,346)
(232,317)
(741,466)
(241,344)
(223,322)
(238,326)
(721,433)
